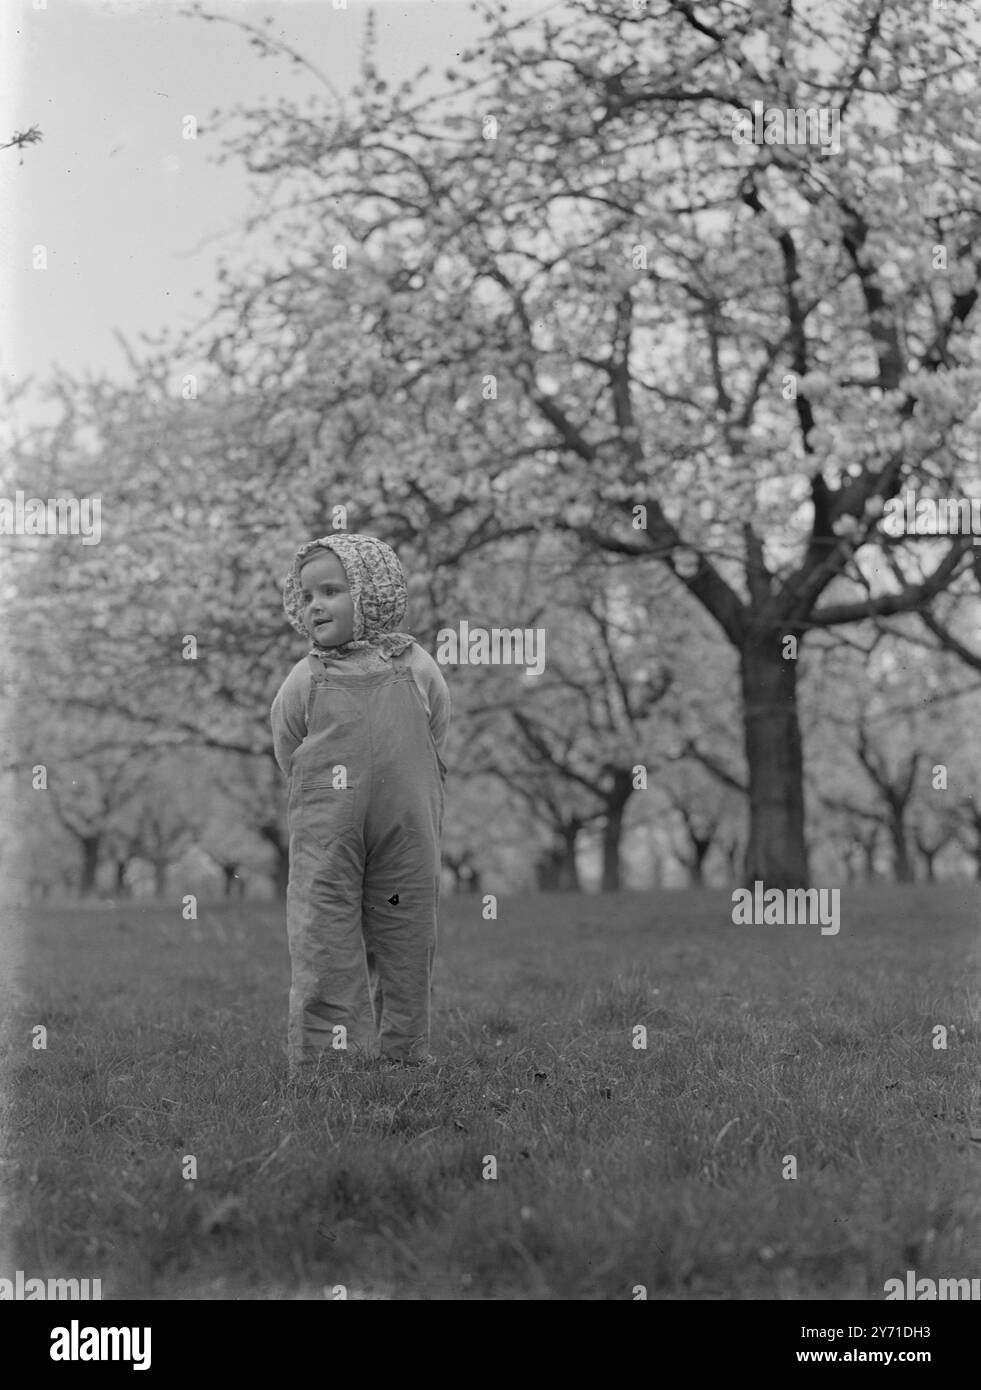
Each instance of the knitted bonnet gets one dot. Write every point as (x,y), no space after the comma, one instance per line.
(378,590)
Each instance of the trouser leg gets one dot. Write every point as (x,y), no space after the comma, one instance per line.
(402,937)
(329,988)
(375,989)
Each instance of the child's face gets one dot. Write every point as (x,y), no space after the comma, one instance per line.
(328,608)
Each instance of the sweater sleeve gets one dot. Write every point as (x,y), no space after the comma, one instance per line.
(288,714)
(436,693)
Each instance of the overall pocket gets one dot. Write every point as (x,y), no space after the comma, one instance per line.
(322,808)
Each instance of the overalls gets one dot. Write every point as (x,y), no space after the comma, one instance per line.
(365,818)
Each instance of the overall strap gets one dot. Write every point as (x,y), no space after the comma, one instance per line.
(346,676)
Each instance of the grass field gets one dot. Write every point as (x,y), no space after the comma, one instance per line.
(616,1166)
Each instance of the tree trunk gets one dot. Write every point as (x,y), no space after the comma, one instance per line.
(975,850)
(556,870)
(466,876)
(732,855)
(90,863)
(271,832)
(902,863)
(776,852)
(122,887)
(546,872)
(568,868)
(852,859)
(613,828)
(696,869)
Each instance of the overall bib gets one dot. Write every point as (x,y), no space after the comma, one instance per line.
(365,818)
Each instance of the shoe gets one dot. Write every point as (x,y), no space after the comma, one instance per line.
(426,1060)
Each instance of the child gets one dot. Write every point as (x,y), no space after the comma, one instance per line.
(358,725)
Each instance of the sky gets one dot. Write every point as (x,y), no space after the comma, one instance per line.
(133,217)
